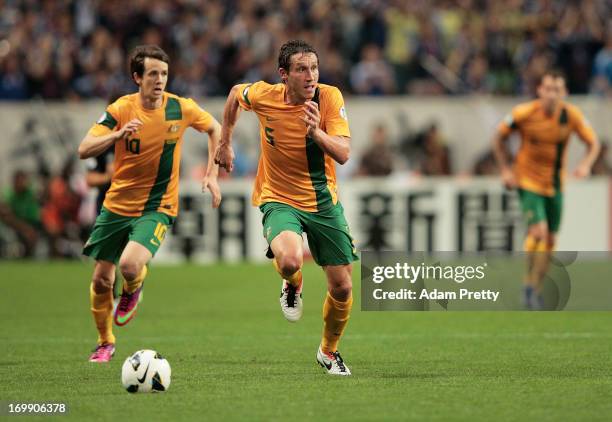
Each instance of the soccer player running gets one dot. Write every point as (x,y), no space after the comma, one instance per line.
(146,129)
(303,130)
(545,126)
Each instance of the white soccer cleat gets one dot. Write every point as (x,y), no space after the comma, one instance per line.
(333,363)
(291,301)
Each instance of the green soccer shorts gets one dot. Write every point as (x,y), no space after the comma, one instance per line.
(328,233)
(537,208)
(112,232)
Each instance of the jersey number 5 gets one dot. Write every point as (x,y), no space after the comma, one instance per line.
(132,145)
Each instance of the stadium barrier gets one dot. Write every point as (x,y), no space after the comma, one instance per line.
(440,214)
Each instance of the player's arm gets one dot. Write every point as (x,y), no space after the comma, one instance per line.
(588,136)
(92,146)
(225,153)
(502,155)
(337,147)
(212,169)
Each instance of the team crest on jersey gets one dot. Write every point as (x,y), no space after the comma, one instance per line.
(343,113)
(102,118)
(174,128)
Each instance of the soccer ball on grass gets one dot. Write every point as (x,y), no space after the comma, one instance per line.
(145,371)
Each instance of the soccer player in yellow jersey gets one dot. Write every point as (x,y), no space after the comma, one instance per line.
(304,131)
(146,130)
(545,126)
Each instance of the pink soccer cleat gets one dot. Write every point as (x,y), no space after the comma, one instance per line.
(127,306)
(103,353)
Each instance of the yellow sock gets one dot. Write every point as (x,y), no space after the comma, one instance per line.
(102,310)
(295,279)
(536,249)
(541,264)
(131,286)
(335,317)
(541,247)
(530,244)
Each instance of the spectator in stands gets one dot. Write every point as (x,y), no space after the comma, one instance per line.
(60,213)
(21,211)
(75,49)
(602,167)
(435,158)
(13,85)
(602,72)
(485,165)
(377,159)
(372,75)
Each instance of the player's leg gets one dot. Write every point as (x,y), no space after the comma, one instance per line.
(101,301)
(288,256)
(538,263)
(553,208)
(132,266)
(147,234)
(288,259)
(117,289)
(336,312)
(283,231)
(332,248)
(107,240)
(533,209)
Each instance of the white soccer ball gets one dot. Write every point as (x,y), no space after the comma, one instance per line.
(145,371)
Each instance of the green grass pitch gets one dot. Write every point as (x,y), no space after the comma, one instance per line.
(234,357)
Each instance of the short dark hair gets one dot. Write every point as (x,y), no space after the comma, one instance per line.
(289,49)
(553,73)
(140,53)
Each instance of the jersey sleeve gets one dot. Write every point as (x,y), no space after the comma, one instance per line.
(200,119)
(108,122)
(582,127)
(510,122)
(335,117)
(248,95)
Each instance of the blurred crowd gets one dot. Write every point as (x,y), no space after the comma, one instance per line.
(73,49)
(45,213)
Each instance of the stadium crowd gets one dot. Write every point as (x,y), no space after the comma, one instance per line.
(68,49)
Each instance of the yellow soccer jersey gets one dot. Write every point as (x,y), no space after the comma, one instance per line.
(541,159)
(292,168)
(147,164)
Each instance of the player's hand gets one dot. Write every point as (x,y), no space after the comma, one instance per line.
(130,128)
(509,179)
(210,184)
(224,156)
(311,117)
(582,171)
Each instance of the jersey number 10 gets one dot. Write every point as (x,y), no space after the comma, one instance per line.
(132,145)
